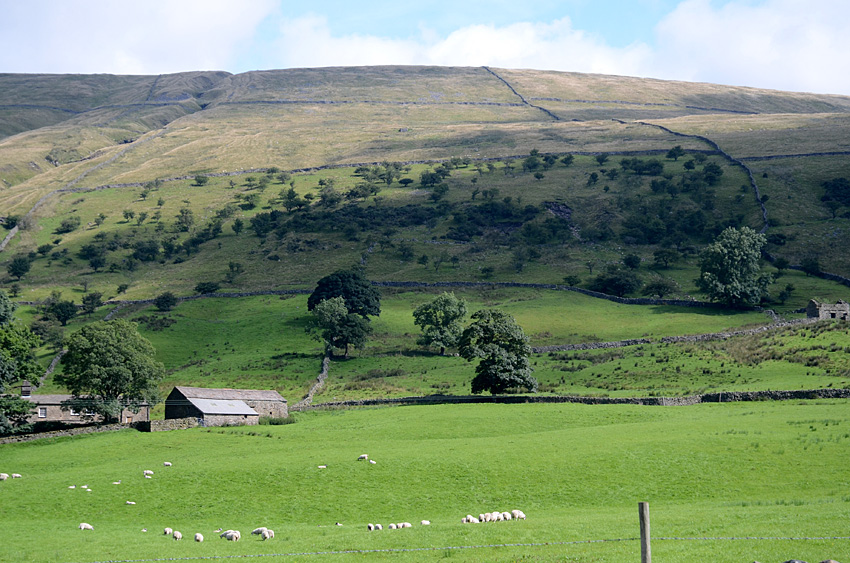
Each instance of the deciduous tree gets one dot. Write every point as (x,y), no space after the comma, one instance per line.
(441,321)
(729,268)
(109,366)
(495,338)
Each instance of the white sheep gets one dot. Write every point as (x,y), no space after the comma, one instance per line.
(168,464)
(72,487)
(426,522)
(16,475)
(392,526)
(118,482)
(177,535)
(323,467)
(84,526)
(167,532)
(518,514)
(148,477)
(506,515)
(130,502)
(406,525)
(148,472)
(233,535)
(259,531)
(199,537)
(266,535)
(363,457)
(370,527)
(474,520)
(224,533)
(4,476)
(378,527)
(372,461)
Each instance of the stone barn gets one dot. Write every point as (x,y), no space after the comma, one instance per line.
(218,407)
(817,310)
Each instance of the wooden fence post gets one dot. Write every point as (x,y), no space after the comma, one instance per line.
(645,552)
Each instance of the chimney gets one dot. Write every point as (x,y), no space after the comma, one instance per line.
(26,389)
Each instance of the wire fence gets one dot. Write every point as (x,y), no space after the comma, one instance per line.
(461,547)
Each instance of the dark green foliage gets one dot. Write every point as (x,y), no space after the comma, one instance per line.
(502,347)
(837,189)
(361,297)
(206,287)
(631,261)
(68,224)
(18,266)
(146,250)
(17,362)
(664,257)
(165,301)
(660,287)
(185,219)
(201,180)
(729,268)
(810,265)
(333,324)
(676,152)
(11,222)
(91,301)
(616,281)
(651,167)
(62,311)
(110,366)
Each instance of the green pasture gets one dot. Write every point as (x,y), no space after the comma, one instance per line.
(759,470)
(260,342)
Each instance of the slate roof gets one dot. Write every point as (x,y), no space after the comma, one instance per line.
(219,406)
(230,394)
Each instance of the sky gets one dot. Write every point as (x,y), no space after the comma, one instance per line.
(796,45)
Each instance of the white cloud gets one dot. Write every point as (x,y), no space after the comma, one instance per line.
(307,41)
(105,36)
(781,44)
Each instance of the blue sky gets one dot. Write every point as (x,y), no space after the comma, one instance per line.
(798,45)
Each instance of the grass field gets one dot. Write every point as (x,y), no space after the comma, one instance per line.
(730,470)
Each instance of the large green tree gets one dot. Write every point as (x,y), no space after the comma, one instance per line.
(361,297)
(730,272)
(109,366)
(495,338)
(441,321)
(337,328)
(17,362)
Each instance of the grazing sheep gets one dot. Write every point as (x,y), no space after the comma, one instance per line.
(144,529)
(370,527)
(4,476)
(506,515)
(148,477)
(84,526)
(168,464)
(392,526)
(259,531)
(372,461)
(267,534)
(116,482)
(406,525)
(167,532)
(363,457)
(199,537)
(177,535)
(426,522)
(148,472)
(72,487)
(474,520)
(217,531)
(16,475)
(84,486)
(518,514)
(323,467)
(338,524)
(130,502)
(378,527)
(233,535)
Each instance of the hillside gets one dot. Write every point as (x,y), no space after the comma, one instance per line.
(129,186)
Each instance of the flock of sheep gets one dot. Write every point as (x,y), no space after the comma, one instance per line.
(266,533)
(494,517)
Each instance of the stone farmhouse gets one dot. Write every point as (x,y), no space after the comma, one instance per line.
(219,407)
(50,408)
(818,310)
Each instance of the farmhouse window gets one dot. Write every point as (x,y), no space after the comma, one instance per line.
(42,412)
